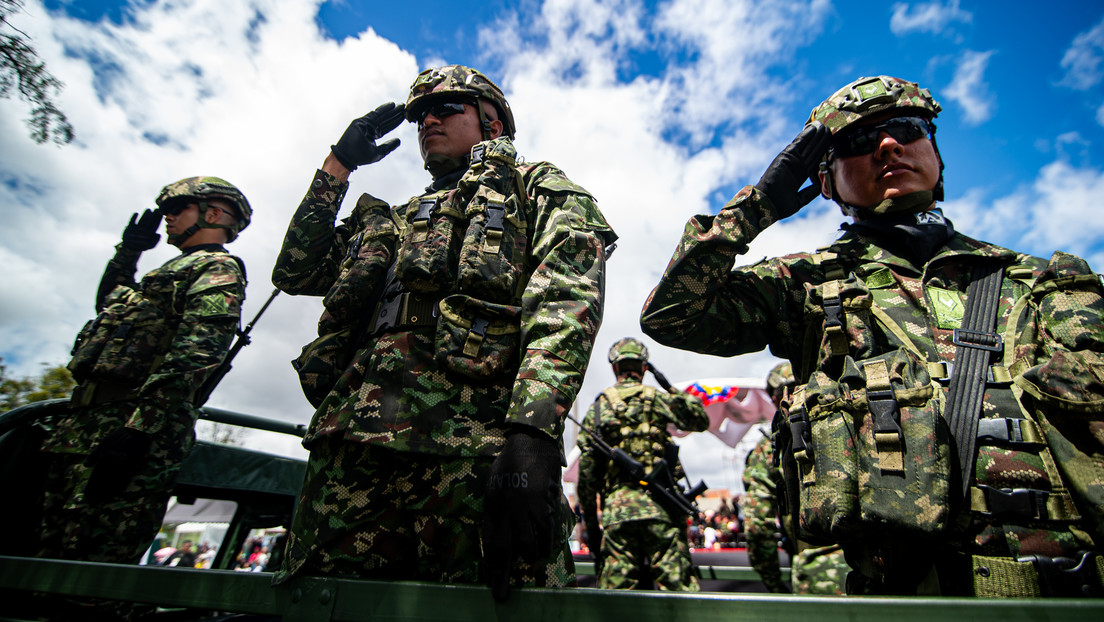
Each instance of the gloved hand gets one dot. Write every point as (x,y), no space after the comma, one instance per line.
(114,462)
(141,233)
(521,505)
(797,162)
(357,146)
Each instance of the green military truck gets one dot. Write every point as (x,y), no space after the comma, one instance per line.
(263,488)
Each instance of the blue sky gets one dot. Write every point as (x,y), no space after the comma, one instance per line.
(661,109)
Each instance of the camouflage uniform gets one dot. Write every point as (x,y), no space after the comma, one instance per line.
(466,310)
(183,316)
(642,543)
(814,569)
(864,319)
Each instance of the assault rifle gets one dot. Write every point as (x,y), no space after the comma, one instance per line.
(224,368)
(659,482)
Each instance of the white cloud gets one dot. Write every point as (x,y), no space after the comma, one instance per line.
(929,17)
(1036,217)
(1084,59)
(969,89)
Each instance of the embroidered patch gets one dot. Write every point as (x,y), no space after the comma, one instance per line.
(882,277)
(948,307)
(213,304)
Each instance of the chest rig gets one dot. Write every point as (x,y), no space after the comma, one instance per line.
(115,352)
(630,424)
(871,449)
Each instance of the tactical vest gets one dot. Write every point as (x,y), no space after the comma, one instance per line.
(452,259)
(116,352)
(870,450)
(629,423)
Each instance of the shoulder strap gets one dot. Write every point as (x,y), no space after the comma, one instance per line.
(976,342)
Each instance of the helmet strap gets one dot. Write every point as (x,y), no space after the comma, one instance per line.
(484,121)
(201,223)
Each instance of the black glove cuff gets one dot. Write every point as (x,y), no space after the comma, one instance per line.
(342,159)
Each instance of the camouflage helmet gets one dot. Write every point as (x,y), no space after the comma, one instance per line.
(869,96)
(451,81)
(780,377)
(628,349)
(866,97)
(201,190)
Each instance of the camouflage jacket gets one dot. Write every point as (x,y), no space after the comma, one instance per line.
(899,318)
(153,344)
(508,267)
(641,431)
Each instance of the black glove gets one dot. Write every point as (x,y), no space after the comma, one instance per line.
(798,161)
(114,461)
(521,505)
(357,146)
(141,233)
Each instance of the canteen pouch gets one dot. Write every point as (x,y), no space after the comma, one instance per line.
(477,339)
(430,246)
(492,256)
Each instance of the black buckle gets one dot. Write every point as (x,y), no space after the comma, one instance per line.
(425,208)
(833,313)
(992,342)
(799,431)
(1022,502)
(1065,577)
(1002,430)
(887,414)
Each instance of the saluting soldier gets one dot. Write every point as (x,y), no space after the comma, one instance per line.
(942,382)
(456,332)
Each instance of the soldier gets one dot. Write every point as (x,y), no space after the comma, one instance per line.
(639,545)
(456,332)
(939,377)
(814,569)
(113,459)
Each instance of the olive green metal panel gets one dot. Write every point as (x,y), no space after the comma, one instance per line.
(316,599)
(722,573)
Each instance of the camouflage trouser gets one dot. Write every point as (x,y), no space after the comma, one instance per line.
(374,513)
(637,554)
(116,531)
(821,571)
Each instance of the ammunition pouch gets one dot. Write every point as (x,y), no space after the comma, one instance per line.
(492,255)
(871,450)
(427,256)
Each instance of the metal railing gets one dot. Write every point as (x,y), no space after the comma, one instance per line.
(311,599)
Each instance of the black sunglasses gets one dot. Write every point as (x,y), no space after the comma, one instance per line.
(864,139)
(173,208)
(439,110)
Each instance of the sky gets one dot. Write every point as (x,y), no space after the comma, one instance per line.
(662,110)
